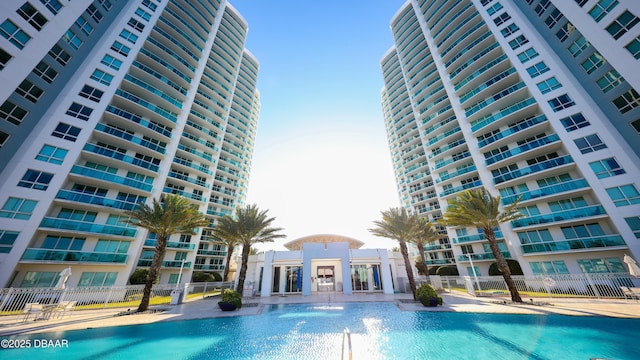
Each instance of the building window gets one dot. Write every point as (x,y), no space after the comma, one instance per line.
(16,208)
(493,9)
(565,31)
(610,265)
(136,24)
(45,72)
(112,246)
(77,215)
(150,5)
(636,126)
(567,204)
(79,111)
(14,34)
(84,26)
(518,42)
(12,112)
(32,16)
(94,13)
(35,279)
(527,55)
(633,222)
(606,168)
(578,46)
(553,18)
(53,5)
(72,39)
(593,62)
(509,30)
(4,58)
(535,236)
(609,81)
(634,48)
(622,24)
(111,62)
(582,231)
(627,101)
(602,8)
(561,102)
(91,93)
(3,138)
(501,19)
(34,179)
(143,14)
(549,85)
(59,55)
(574,122)
(129,36)
(581,2)
(624,195)
(549,267)
(120,48)
(541,7)
(66,131)
(106,4)
(537,69)
(52,154)
(29,91)
(7,238)
(590,143)
(97,279)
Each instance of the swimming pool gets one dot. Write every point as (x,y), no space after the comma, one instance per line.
(378,331)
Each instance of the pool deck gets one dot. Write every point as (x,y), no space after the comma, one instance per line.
(207,308)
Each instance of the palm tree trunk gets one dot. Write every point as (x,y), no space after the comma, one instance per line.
(226,268)
(246,248)
(407,267)
(502,264)
(154,269)
(424,259)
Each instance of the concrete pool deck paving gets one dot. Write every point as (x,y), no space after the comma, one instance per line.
(208,308)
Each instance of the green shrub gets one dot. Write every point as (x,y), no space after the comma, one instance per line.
(138,277)
(232,296)
(426,291)
(216,276)
(421,267)
(200,276)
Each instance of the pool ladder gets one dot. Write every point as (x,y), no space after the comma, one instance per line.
(346,335)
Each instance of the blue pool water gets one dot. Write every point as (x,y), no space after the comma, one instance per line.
(378,331)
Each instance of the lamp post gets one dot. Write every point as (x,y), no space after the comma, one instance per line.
(180,274)
(473,270)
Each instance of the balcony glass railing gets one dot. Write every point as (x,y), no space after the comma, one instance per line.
(440,261)
(482,122)
(138,120)
(512,130)
(72,225)
(483,256)
(547,190)
(573,244)
(105,176)
(523,148)
(74,256)
(545,165)
(462,171)
(437,247)
(476,237)
(168,190)
(436,139)
(460,188)
(120,156)
(208,267)
(446,147)
(130,138)
(172,244)
(169,115)
(94,200)
(212,252)
(166,264)
(579,213)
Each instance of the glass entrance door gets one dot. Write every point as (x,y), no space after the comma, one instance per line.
(326,278)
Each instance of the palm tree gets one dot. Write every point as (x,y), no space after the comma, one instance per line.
(249,226)
(426,233)
(480,209)
(173,215)
(227,235)
(399,225)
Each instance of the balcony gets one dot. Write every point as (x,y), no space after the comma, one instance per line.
(94,200)
(47,255)
(138,120)
(574,244)
(482,122)
(109,177)
(512,130)
(440,262)
(446,147)
(523,148)
(547,190)
(196,197)
(476,237)
(438,138)
(461,171)
(212,252)
(437,247)
(100,229)
(120,156)
(545,165)
(172,245)
(580,213)
(482,256)
(165,264)
(441,164)
(208,267)
(130,138)
(461,188)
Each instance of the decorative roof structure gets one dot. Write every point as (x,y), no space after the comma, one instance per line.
(323,239)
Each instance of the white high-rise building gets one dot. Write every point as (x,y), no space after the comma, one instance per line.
(108,103)
(531,99)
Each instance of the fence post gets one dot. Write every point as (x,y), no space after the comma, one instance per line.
(108,297)
(593,286)
(6,298)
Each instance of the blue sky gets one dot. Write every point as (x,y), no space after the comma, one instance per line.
(321,162)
